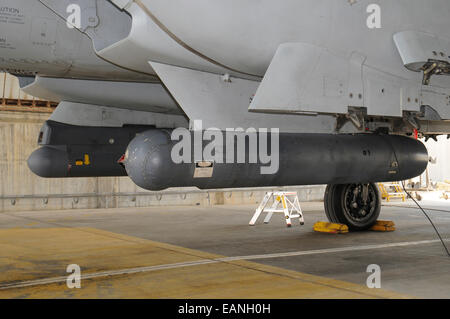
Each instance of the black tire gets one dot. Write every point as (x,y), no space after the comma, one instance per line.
(329,200)
(344,205)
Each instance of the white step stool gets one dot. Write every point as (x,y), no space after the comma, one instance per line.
(290,207)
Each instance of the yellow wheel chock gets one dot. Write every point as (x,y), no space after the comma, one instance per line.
(331,228)
(383,226)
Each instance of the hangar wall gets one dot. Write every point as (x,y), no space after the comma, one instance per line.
(12,97)
(440,151)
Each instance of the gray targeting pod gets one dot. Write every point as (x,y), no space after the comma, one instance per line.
(304,159)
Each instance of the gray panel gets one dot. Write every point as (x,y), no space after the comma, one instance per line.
(129,95)
(416,48)
(105,116)
(383,93)
(147,41)
(438,98)
(36,40)
(222,104)
(101,20)
(304,78)
(307,78)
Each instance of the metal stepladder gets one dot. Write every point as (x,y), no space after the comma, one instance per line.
(290,207)
(392,190)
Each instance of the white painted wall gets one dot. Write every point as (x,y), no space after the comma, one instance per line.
(440,171)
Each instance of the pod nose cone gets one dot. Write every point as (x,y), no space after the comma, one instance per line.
(49,162)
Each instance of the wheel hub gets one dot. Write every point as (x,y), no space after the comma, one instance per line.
(359,202)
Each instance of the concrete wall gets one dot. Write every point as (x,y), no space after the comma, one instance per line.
(22,190)
(10,88)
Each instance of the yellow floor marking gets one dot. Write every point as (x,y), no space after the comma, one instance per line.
(30,254)
(32,224)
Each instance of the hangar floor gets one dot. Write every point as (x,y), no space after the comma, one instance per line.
(211,252)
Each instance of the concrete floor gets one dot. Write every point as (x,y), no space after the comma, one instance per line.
(177,252)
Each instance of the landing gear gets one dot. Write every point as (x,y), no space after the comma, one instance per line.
(355,205)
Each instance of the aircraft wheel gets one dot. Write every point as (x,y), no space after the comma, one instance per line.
(355,205)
